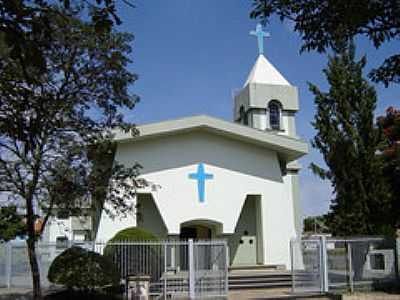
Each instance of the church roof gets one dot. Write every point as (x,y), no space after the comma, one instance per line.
(288,147)
(264,72)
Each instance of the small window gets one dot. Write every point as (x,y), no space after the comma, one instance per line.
(61,242)
(243,116)
(377,261)
(81,235)
(274,110)
(63,214)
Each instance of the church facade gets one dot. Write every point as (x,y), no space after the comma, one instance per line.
(213,179)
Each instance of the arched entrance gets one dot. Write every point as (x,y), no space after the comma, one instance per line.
(200,230)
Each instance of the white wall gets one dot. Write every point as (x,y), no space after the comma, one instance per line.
(58,228)
(239,169)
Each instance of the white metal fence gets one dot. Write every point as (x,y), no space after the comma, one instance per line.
(176,268)
(324,264)
(306,265)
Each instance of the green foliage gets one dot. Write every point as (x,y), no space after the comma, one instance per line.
(324,24)
(130,234)
(28,34)
(11,224)
(64,86)
(83,270)
(348,140)
(48,127)
(133,234)
(390,151)
(133,263)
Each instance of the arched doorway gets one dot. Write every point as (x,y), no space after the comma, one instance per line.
(200,230)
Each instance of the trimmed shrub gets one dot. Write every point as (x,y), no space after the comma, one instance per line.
(82,269)
(133,234)
(135,259)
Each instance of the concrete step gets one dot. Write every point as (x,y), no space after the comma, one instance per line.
(259,285)
(257,280)
(259,274)
(257,268)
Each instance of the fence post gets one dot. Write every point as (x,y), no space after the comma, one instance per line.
(324,265)
(226,269)
(8,264)
(165,270)
(292,263)
(397,257)
(191,270)
(350,263)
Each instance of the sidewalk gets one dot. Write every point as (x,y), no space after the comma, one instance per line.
(278,293)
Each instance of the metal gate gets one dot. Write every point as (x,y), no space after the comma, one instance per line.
(323,264)
(210,265)
(176,268)
(307,265)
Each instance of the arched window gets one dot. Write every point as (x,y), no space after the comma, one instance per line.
(243,116)
(274,110)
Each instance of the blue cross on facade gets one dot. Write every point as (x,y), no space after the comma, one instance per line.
(201,177)
(260,34)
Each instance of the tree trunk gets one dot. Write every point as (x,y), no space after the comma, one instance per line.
(37,291)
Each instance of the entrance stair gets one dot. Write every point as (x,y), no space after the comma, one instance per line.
(259,277)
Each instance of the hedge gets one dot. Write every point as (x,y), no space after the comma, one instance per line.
(82,269)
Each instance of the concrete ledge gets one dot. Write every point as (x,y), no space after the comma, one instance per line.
(15,294)
(371,296)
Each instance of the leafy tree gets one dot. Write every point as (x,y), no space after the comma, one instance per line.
(348,140)
(56,130)
(11,224)
(390,124)
(322,24)
(27,30)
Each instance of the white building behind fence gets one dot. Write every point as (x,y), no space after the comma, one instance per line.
(214,179)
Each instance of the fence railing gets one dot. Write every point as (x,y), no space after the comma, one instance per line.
(324,264)
(186,268)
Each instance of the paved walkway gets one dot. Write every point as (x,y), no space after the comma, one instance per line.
(278,293)
(24,294)
(257,294)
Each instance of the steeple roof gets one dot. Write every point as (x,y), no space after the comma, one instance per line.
(264,72)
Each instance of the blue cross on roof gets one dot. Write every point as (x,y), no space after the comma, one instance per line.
(260,34)
(201,177)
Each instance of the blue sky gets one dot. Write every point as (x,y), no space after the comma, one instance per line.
(191,55)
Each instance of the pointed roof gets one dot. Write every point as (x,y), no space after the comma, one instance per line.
(264,72)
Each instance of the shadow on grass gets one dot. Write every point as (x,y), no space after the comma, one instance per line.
(391,287)
(109,294)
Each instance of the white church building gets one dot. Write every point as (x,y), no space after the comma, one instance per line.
(214,179)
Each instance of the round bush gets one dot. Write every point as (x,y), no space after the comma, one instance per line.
(82,269)
(133,234)
(128,257)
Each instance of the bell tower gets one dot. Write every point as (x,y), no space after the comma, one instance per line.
(267,100)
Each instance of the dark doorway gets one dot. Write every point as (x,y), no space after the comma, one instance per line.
(196,233)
